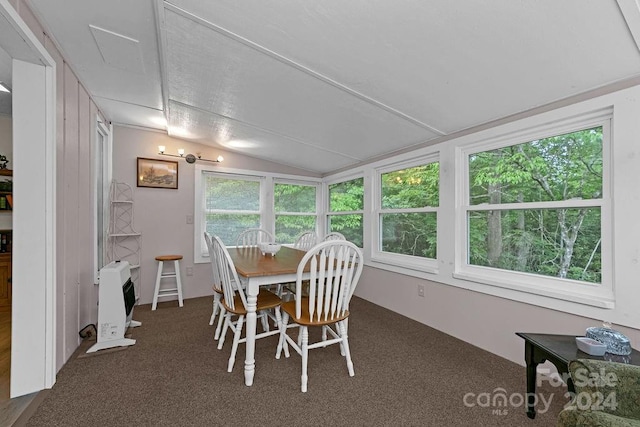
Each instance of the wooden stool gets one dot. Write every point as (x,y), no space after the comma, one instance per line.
(159,293)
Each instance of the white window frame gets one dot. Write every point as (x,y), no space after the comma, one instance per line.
(318,205)
(201,249)
(267,218)
(599,295)
(427,265)
(102,158)
(327,204)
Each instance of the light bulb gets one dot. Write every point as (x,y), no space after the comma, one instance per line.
(220,158)
(181,151)
(161,148)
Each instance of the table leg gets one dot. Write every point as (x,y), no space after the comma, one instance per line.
(250,362)
(532,365)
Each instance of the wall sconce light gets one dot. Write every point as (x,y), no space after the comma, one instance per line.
(189,158)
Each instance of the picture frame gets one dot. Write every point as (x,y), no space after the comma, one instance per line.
(155,173)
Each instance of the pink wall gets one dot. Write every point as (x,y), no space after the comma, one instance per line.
(483,320)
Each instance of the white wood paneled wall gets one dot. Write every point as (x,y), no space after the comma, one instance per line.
(75,128)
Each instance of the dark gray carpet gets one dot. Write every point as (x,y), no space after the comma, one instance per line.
(406,374)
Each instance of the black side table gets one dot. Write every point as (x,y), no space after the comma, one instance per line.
(559,350)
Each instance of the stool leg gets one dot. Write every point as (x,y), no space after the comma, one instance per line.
(178,282)
(157,289)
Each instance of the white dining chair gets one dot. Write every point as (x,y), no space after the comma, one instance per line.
(303,242)
(234,301)
(306,240)
(334,268)
(334,236)
(253,237)
(218,308)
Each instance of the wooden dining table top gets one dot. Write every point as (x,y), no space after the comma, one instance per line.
(250,262)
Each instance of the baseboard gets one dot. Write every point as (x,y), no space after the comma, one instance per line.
(21,421)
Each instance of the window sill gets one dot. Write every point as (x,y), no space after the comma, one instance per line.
(399,264)
(590,296)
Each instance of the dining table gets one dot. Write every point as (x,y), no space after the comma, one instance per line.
(258,269)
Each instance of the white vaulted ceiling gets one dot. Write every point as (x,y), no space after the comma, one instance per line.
(327,85)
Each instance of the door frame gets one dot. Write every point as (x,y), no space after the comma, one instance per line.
(33,338)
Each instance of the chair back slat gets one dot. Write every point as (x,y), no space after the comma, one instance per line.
(334,269)
(215,276)
(340,279)
(330,287)
(306,241)
(321,285)
(254,236)
(228,274)
(334,236)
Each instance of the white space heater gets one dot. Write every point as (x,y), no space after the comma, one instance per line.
(116,298)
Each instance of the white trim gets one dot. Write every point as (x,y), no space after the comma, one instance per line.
(574,291)
(50,219)
(399,262)
(408,163)
(33,290)
(556,204)
(106,167)
(573,123)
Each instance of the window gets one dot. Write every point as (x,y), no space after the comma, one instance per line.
(534,212)
(407,213)
(231,205)
(228,201)
(346,209)
(101,182)
(295,210)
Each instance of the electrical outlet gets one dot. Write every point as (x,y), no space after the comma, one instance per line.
(421,291)
(189,271)
(189,219)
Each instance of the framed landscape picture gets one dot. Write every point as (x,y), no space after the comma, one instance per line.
(156,173)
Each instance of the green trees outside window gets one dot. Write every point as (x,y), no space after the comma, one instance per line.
(346,209)
(231,206)
(536,207)
(295,210)
(408,214)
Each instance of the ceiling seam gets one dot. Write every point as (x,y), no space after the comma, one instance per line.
(261,49)
(125,102)
(162,48)
(631,13)
(269,131)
